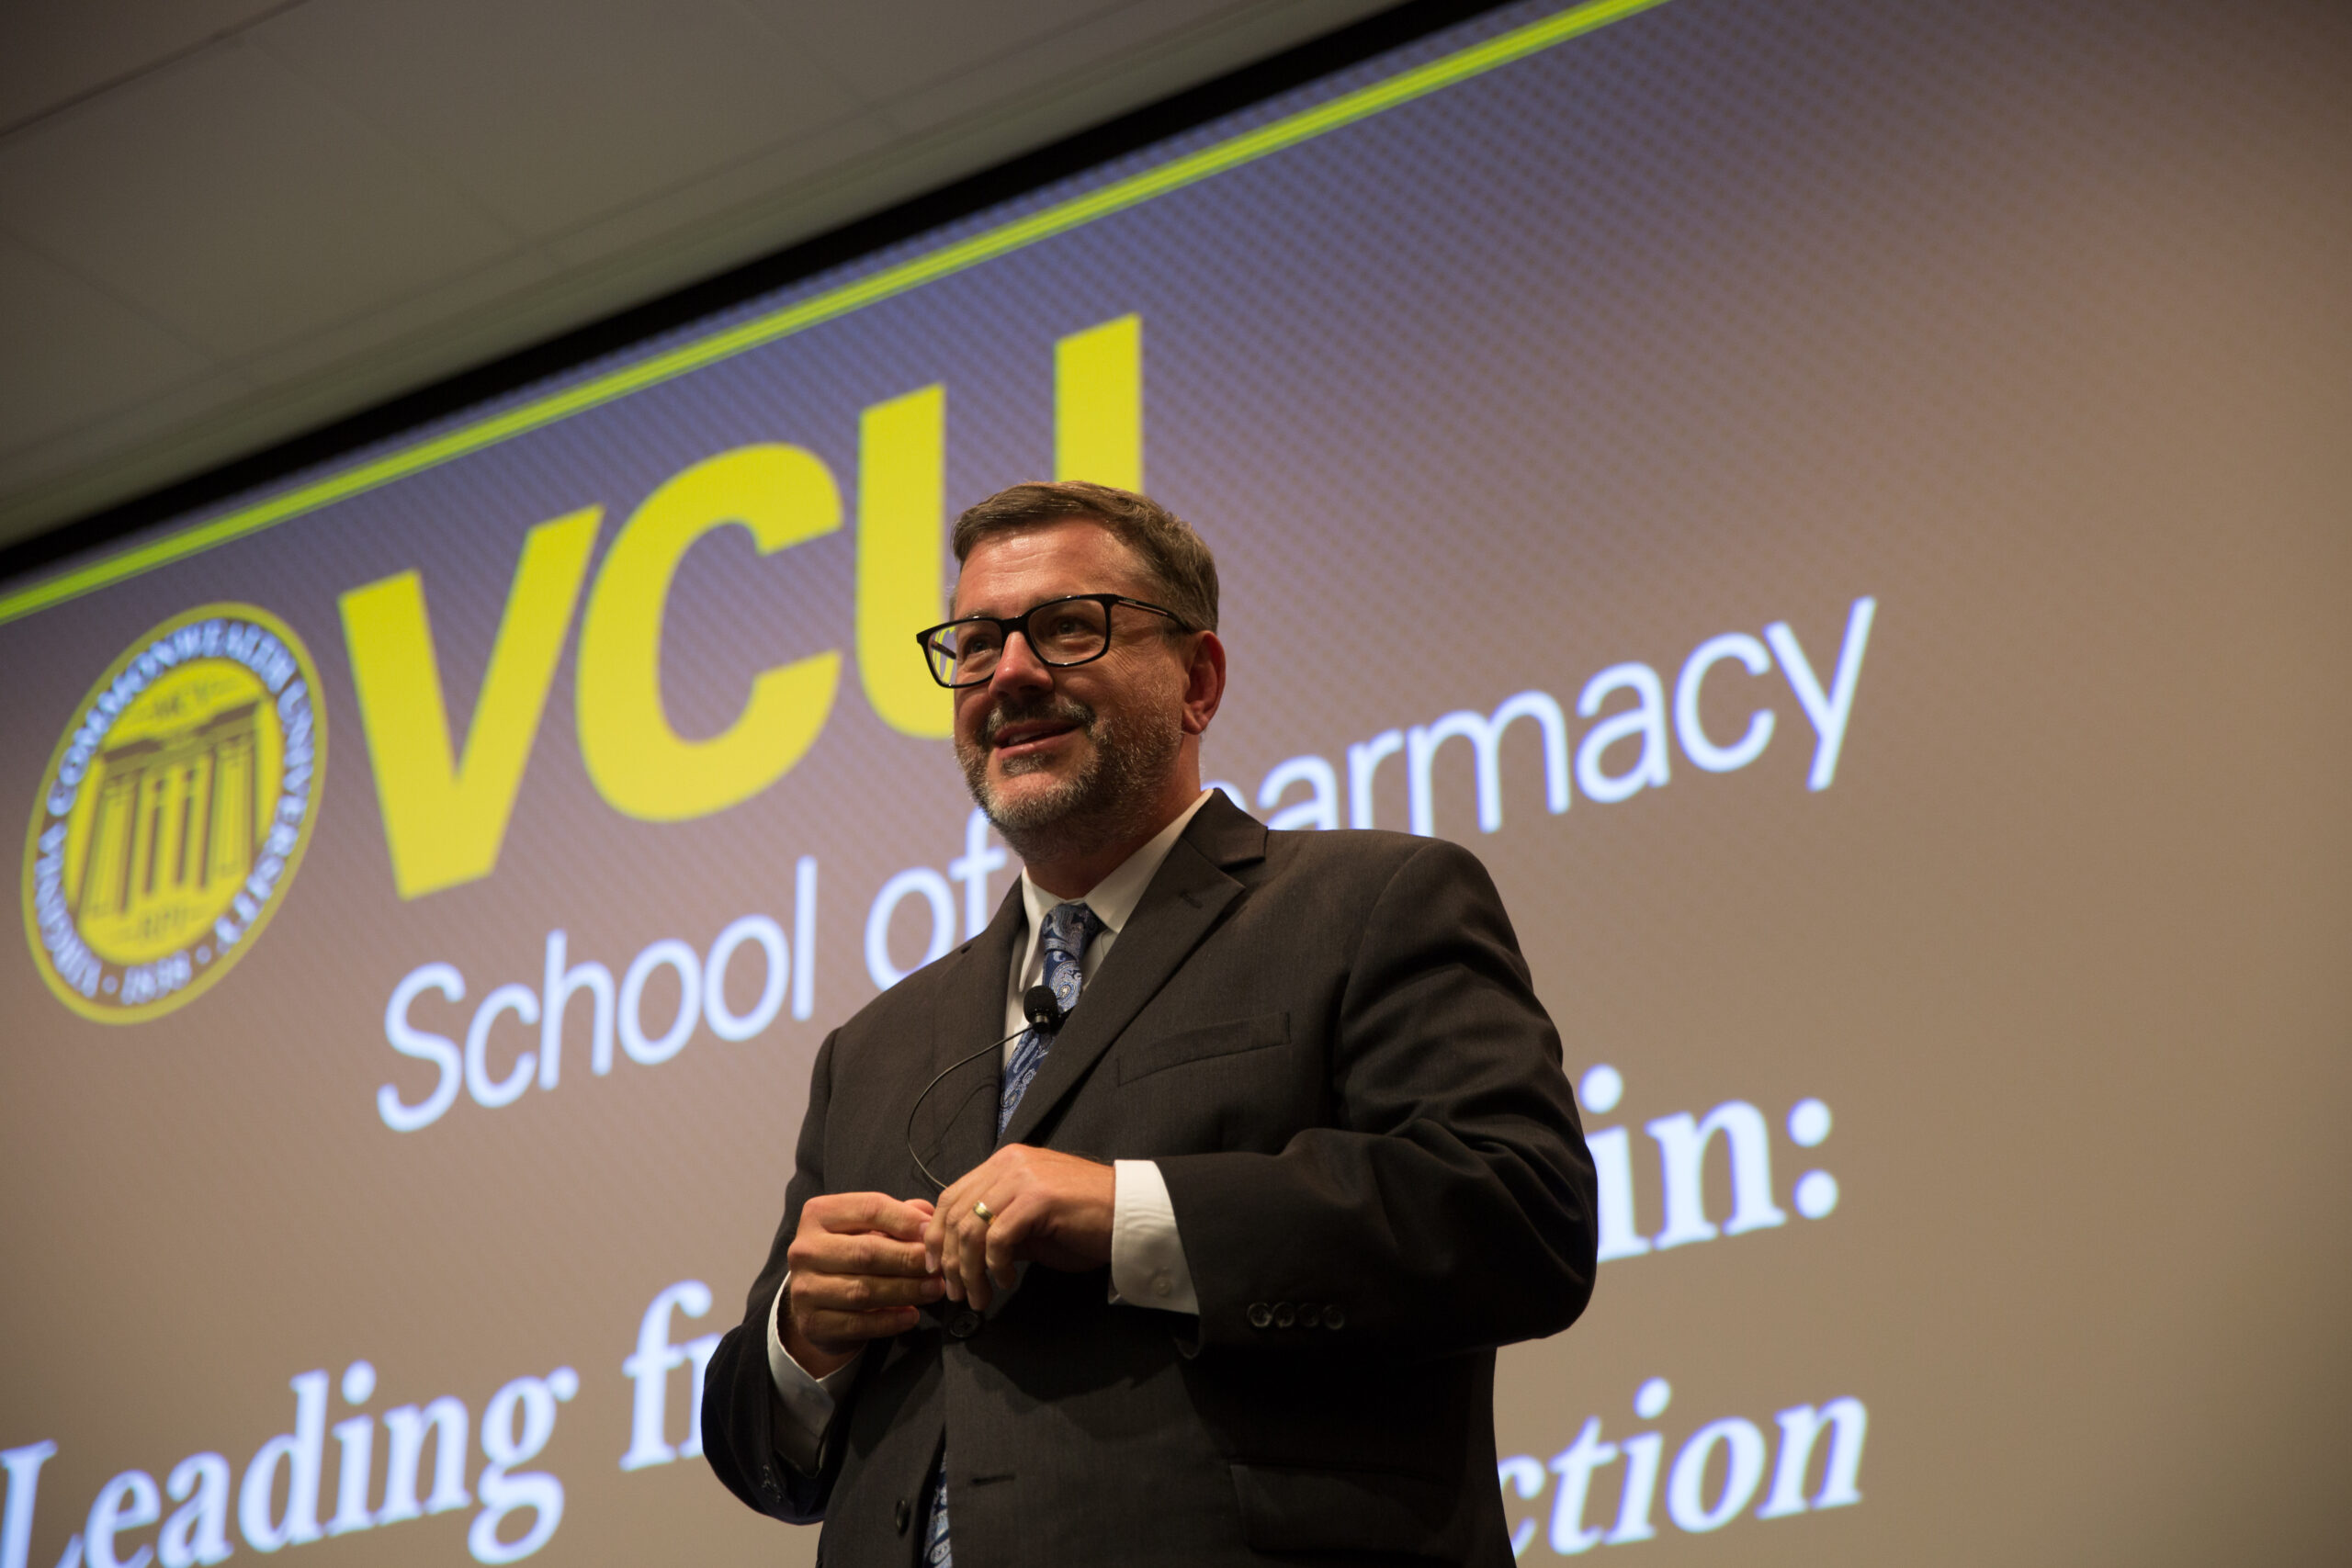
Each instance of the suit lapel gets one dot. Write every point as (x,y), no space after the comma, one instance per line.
(956,1127)
(1186,898)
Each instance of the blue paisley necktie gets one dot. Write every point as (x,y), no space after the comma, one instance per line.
(1068,930)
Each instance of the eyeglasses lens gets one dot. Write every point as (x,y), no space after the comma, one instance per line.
(1065,631)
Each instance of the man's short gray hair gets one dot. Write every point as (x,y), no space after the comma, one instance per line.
(1183,571)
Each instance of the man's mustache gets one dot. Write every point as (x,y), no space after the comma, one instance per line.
(1053,708)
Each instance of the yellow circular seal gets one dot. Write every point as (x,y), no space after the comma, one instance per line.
(173,813)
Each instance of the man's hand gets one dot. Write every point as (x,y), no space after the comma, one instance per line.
(1044,1207)
(858,1273)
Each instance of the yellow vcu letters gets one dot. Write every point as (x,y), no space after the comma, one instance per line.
(1097,404)
(444,819)
(901,581)
(644,768)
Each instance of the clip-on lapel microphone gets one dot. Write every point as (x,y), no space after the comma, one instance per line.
(1043,1010)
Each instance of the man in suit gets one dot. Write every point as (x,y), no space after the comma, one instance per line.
(1231,1229)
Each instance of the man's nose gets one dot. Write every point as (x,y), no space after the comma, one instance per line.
(1018,667)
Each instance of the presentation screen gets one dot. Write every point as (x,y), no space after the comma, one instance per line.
(1845,508)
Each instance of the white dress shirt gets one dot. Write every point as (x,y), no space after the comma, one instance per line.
(1148,1265)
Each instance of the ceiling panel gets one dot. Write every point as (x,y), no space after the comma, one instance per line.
(267,212)
(558,112)
(826,167)
(389,323)
(59,51)
(225,223)
(74,354)
(1103,49)
(891,51)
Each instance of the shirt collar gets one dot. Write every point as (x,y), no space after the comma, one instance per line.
(1113,899)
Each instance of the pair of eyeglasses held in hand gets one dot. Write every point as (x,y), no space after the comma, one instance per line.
(1060,632)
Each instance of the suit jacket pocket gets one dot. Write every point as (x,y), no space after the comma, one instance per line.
(1196,1044)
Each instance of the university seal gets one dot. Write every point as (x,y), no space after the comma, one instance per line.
(173,813)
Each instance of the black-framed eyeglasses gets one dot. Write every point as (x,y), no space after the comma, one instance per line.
(1061,632)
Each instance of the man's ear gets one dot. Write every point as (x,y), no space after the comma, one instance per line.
(1203,683)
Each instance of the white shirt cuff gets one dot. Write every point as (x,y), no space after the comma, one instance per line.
(1147,1267)
(804,1402)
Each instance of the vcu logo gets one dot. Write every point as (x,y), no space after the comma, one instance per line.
(173,813)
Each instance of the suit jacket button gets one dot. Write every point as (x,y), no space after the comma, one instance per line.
(1309,1314)
(1284,1315)
(903,1515)
(1260,1314)
(1334,1318)
(964,1324)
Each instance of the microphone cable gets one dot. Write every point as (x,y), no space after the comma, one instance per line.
(1042,1010)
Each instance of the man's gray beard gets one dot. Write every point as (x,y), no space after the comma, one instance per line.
(1109,798)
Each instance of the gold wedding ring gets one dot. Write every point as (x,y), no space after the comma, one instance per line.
(984,1213)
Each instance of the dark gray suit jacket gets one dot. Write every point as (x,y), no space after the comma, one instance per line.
(1330,1043)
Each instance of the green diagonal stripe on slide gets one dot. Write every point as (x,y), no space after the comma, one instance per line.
(929,268)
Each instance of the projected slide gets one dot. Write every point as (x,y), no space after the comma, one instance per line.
(1843,507)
